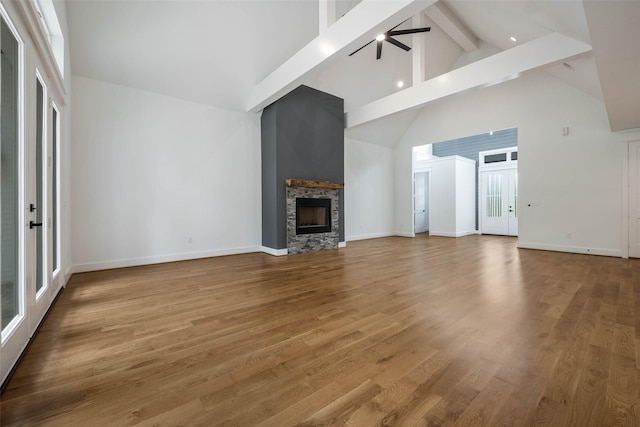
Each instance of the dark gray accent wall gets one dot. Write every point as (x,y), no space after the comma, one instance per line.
(471,146)
(302,138)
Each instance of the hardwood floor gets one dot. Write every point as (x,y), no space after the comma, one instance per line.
(394,331)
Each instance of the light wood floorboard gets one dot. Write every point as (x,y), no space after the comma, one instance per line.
(395,331)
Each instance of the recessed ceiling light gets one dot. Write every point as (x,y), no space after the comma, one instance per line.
(400,83)
(380,37)
(513,39)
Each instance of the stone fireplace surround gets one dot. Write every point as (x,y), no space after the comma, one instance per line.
(301,243)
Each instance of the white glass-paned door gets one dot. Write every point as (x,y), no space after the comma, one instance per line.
(12,297)
(14,300)
(498,202)
(37,208)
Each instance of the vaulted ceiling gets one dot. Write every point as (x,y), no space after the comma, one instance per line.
(241,55)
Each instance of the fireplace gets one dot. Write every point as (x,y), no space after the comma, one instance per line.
(313,215)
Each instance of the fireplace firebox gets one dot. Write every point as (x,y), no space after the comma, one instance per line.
(313,215)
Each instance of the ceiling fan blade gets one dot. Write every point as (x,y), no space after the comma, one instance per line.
(397,43)
(411,31)
(359,49)
(379,49)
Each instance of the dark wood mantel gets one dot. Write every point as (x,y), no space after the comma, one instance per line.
(312,184)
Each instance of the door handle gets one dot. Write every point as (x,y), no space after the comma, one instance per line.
(34,224)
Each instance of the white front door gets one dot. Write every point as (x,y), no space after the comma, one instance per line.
(421,202)
(499,202)
(634,199)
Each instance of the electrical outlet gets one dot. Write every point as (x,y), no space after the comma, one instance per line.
(569,235)
(189,239)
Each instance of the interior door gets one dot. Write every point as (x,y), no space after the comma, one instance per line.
(634,199)
(498,202)
(421,201)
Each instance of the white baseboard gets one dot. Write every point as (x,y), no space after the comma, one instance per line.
(570,249)
(368,236)
(342,244)
(450,234)
(403,234)
(67,275)
(132,262)
(274,252)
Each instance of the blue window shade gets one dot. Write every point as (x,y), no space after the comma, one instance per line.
(471,146)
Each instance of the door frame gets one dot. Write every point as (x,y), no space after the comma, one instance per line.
(627,139)
(508,164)
(418,169)
(428,198)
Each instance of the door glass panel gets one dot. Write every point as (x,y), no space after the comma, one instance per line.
(9,178)
(39,185)
(54,190)
(494,196)
(515,194)
(495,158)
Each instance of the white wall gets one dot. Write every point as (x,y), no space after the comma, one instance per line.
(451,195)
(465,196)
(368,190)
(150,171)
(576,179)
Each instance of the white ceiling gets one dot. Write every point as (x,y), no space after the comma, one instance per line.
(216,51)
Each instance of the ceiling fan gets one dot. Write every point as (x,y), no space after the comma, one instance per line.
(388,36)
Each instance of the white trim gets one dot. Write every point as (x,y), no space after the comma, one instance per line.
(67,275)
(571,249)
(449,234)
(626,138)
(274,252)
(55,166)
(342,244)
(43,203)
(369,236)
(404,234)
(106,265)
(507,164)
(32,22)
(624,198)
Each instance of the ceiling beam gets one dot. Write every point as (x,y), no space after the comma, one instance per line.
(326,14)
(361,24)
(442,16)
(418,51)
(614,33)
(495,69)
